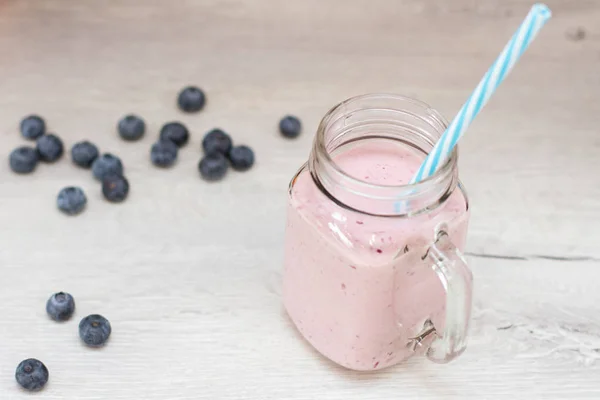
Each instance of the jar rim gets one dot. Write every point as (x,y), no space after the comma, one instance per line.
(446,168)
(419,197)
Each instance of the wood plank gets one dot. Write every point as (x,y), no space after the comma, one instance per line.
(189,273)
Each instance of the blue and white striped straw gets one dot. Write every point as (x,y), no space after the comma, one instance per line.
(533,23)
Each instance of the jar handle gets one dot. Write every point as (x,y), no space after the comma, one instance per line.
(452,270)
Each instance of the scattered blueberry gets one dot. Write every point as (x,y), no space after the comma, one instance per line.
(213,167)
(23,160)
(71,200)
(94,330)
(191,99)
(163,153)
(107,164)
(290,126)
(216,141)
(84,154)
(49,147)
(241,158)
(115,188)
(32,374)
(131,127)
(175,132)
(32,127)
(60,306)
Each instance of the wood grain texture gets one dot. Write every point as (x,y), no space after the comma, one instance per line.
(189,272)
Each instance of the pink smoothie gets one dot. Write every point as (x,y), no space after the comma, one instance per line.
(356,285)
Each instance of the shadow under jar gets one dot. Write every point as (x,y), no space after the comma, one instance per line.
(373,270)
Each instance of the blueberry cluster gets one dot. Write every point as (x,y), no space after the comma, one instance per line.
(219,155)
(106,168)
(173,136)
(48,148)
(94,331)
(219,152)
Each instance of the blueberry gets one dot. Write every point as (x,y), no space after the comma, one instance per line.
(107,164)
(216,141)
(213,167)
(94,330)
(84,154)
(32,127)
(49,147)
(32,374)
(23,160)
(71,200)
(115,188)
(60,306)
(131,127)
(191,99)
(241,158)
(176,132)
(290,126)
(163,153)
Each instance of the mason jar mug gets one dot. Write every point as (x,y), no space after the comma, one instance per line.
(373,270)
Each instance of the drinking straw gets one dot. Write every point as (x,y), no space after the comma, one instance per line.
(531,25)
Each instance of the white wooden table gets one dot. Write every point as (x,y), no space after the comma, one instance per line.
(189,272)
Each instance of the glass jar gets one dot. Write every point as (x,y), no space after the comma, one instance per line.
(373,270)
